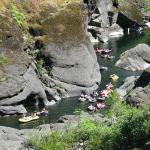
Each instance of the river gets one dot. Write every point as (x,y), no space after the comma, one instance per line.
(68,106)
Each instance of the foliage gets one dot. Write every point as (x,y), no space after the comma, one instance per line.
(123,127)
(2,60)
(54,140)
(40,67)
(77,112)
(17,16)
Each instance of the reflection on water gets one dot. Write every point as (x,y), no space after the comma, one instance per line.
(67,106)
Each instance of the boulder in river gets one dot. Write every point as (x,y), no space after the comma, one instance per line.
(127,86)
(11,110)
(135,59)
(136,90)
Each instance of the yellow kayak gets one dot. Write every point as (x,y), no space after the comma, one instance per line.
(27,119)
(114,77)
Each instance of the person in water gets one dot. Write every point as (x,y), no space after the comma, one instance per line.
(34,114)
(100,105)
(43,112)
(109,86)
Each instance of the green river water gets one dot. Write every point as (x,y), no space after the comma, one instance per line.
(68,106)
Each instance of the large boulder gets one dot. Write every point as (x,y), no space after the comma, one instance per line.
(141,90)
(11,110)
(135,59)
(136,90)
(69,51)
(127,86)
(34,89)
(129,14)
(11,139)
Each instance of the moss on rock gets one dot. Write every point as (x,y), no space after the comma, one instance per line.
(130,10)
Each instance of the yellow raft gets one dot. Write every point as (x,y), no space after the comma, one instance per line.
(27,119)
(114,77)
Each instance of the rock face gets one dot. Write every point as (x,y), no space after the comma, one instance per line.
(112,18)
(68,50)
(129,14)
(141,90)
(11,139)
(104,7)
(65,49)
(127,86)
(136,90)
(135,59)
(33,87)
(11,110)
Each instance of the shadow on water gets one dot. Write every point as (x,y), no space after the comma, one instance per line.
(68,106)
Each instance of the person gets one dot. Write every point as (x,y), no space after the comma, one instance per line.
(24,116)
(34,114)
(44,112)
(100,105)
(104,93)
(109,86)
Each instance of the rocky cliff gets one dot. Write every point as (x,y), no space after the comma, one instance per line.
(111,18)
(45,53)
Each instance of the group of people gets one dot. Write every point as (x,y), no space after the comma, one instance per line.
(35,115)
(97,98)
(104,53)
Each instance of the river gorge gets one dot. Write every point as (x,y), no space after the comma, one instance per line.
(51,55)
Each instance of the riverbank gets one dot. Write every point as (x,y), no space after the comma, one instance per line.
(90,131)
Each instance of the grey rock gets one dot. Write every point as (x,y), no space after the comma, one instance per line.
(11,139)
(144,79)
(135,59)
(11,110)
(68,118)
(70,90)
(77,65)
(33,87)
(142,95)
(44,127)
(104,7)
(136,90)
(11,80)
(75,68)
(127,86)
(115,31)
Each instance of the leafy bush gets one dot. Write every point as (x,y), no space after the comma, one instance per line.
(40,67)
(17,16)
(2,60)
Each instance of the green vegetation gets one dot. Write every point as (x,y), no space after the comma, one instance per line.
(17,16)
(123,127)
(2,60)
(147,5)
(40,67)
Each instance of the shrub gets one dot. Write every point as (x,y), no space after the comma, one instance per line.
(17,16)
(2,60)
(41,67)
